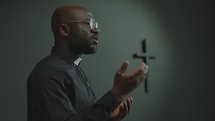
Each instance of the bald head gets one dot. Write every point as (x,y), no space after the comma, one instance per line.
(67,13)
(75,29)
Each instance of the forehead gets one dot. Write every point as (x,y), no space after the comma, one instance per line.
(82,14)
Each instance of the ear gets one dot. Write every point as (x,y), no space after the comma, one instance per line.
(64,30)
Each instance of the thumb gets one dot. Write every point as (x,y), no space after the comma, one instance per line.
(124,66)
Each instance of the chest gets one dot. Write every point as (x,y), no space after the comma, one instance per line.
(79,89)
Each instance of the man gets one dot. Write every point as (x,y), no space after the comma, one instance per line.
(57,88)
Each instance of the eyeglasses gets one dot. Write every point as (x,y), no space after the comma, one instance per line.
(92,23)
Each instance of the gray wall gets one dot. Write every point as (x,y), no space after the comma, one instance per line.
(178,33)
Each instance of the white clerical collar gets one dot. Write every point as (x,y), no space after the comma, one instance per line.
(76,62)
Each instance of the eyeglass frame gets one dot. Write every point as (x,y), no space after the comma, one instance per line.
(92,23)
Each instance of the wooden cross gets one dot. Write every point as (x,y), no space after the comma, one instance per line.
(144,58)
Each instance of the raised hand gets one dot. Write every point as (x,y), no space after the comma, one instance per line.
(124,82)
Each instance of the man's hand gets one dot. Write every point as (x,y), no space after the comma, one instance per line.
(122,110)
(125,83)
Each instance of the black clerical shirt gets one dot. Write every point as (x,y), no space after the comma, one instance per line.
(58,90)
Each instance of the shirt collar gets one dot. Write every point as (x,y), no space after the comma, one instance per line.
(66,55)
(77,61)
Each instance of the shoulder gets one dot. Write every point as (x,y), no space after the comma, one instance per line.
(51,68)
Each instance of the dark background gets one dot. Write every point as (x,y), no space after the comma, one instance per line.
(180,33)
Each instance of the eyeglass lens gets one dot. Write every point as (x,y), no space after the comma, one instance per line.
(93,24)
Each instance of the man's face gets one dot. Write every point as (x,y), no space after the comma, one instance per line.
(83,39)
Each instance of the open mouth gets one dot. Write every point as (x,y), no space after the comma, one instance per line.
(95,40)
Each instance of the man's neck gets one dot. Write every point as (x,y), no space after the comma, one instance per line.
(66,54)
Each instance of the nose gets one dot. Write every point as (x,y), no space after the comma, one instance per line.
(95,30)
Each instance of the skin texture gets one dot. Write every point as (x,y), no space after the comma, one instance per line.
(78,38)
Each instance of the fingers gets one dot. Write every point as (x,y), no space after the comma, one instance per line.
(123,109)
(124,67)
(128,103)
(125,106)
(140,72)
(142,69)
(126,83)
(146,69)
